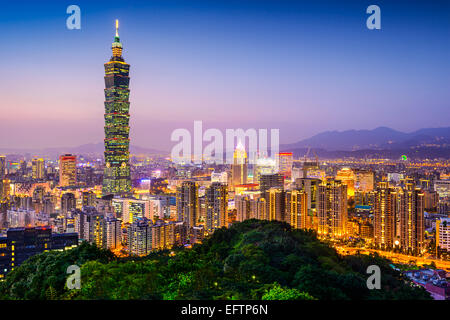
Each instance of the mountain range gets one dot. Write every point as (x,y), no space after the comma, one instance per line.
(85,149)
(379,142)
(381,138)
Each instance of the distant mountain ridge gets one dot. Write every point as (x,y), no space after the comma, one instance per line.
(380,141)
(89,148)
(381,138)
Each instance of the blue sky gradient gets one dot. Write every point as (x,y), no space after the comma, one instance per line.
(301,66)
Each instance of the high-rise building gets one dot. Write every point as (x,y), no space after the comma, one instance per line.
(443,234)
(267,181)
(116,178)
(259,207)
(187,203)
(249,207)
(347,177)
(332,208)
(309,186)
(431,200)
(216,197)
(297,209)
(113,232)
(385,211)
(129,209)
(25,218)
(363,198)
(367,232)
(48,205)
(91,226)
(139,237)
(364,180)
(67,170)
(88,198)
(68,202)
(276,204)
(163,235)
(2,177)
(23,243)
(412,230)
(239,166)
(264,166)
(160,206)
(242,205)
(2,168)
(442,187)
(311,169)
(37,168)
(285,161)
(221,177)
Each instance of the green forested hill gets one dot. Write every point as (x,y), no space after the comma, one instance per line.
(251,260)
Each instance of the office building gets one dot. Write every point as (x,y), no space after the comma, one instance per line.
(385,216)
(268,181)
(116,177)
(239,166)
(276,204)
(347,177)
(129,209)
(139,237)
(37,169)
(67,170)
(188,204)
(364,180)
(332,209)
(297,209)
(91,226)
(23,243)
(412,230)
(285,161)
(216,202)
(68,202)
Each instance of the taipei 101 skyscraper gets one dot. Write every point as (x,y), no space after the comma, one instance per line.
(116,177)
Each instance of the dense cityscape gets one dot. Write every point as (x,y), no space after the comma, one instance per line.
(138,204)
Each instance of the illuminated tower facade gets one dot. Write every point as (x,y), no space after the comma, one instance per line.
(38,168)
(285,161)
(216,206)
(412,229)
(332,209)
(297,209)
(239,166)
(276,204)
(187,203)
(116,178)
(347,177)
(67,170)
(385,216)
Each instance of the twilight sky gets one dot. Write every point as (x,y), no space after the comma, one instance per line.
(301,66)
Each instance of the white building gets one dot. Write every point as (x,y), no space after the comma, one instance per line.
(443,233)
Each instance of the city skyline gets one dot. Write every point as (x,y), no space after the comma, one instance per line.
(229,213)
(253,60)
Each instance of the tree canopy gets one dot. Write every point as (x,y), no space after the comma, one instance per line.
(253,259)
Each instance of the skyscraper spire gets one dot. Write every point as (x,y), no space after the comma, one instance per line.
(116,45)
(240,146)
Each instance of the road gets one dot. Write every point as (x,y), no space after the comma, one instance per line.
(396,257)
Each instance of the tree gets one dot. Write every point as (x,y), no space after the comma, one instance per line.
(279,293)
